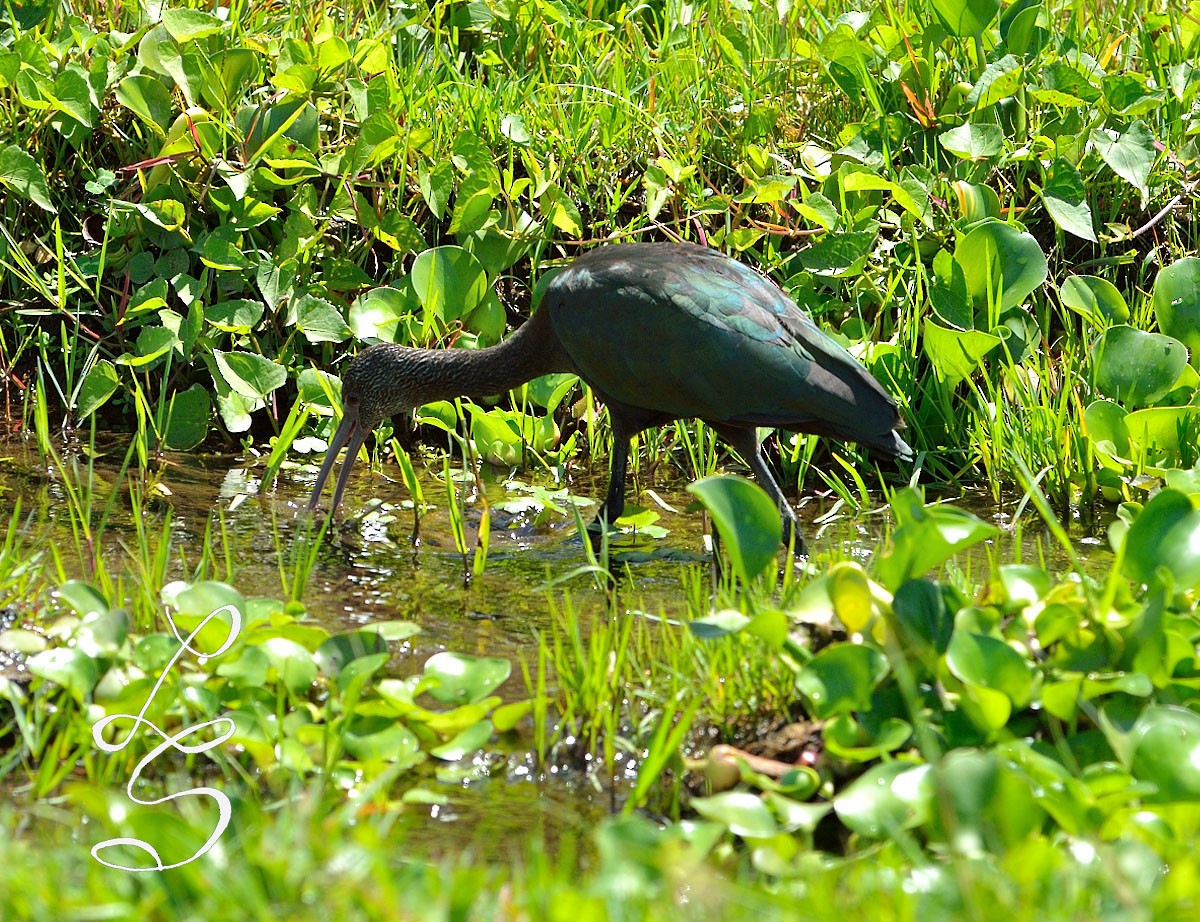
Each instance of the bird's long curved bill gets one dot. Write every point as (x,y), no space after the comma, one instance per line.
(350,434)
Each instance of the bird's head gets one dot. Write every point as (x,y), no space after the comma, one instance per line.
(377,384)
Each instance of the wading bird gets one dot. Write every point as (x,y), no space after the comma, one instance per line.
(660,332)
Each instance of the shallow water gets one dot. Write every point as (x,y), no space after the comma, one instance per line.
(369,568)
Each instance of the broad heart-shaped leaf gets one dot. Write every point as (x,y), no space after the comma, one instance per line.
(1131,155)
(98,385)
(1098,300)
(148,98)
(973,141)
(747,520)
(955,354)
(999,263)
(320,321)
(384,314)
(463,679)
(986,801)
(1166,533)
(1135,367)
(887,798)
(1065,198)
(1176,303)
(1104,425)
(1164,747)
(966,17)
(1163,429)
(23,174)
(295,666)
(381,739)
(187,420)
(449,282)
(83,597)
(101,633)
(335,653)
(982,660)
(744,813)
(69,667)
(926,537)
(841,677)
(252,376)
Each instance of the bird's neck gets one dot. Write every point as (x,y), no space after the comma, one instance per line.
(530,352)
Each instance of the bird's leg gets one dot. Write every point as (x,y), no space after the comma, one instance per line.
(614,501)
(745,443)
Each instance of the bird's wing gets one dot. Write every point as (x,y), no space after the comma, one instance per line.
(689,332)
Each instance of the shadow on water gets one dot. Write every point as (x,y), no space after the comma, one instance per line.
(369,569)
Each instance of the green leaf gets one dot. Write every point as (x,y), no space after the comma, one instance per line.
(1135,367)
(99,384)
(222,250)
(956,354)
(464,679)
(25,176)
(972,141)
(745,814)
(449,282)
(101,633)
(83,597)
(333,655)
(468,742)
(999,80)
(1130,155)
(69,667)
(886,799)
(985,661)
(839,255)
(926,537)
(1165,750)
(294,665)
(320,321)
(746,518)
(148,98)
(1098,300)
(1165,534)
(966,17)
(187,420)
(189,25)
(841,678)
(1001,265)
(1164,429)
(1176,302)
(252,376)
(1065,199)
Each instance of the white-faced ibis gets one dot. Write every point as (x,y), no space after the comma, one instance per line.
(660,332)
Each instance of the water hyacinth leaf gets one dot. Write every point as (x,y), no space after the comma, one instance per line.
(886,799)
(985,661)
(1164,747)
(987,804)
(743,813)
(1098,301)
(999,80)
(237,315)
(250,375)
(188,25)
(841,678)
(68,667)
(839,255)
(976,201)
(1158,430)
(719,624)
(383,314)
(850,593)
(499,246)
(847,739)
(926,537)
(956,354)
(319,321)
(464,679)
(966,17)
(747,520)
(83,597)
(314,386)
(201,598)
(449,282)
(187,419)
(383,740)
(1065,198)
(248,669)
(922,615)
(1135,367)
(148,98)
(152,652)
(336,652)
(20,640)
(1176,302)
(1023,584)
(101,633)
(1130,155)
(1104,425)
(24,175)
(973,141)
(1001,265)
(467,742)
(1165,534)
(294,665)
(394,631)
